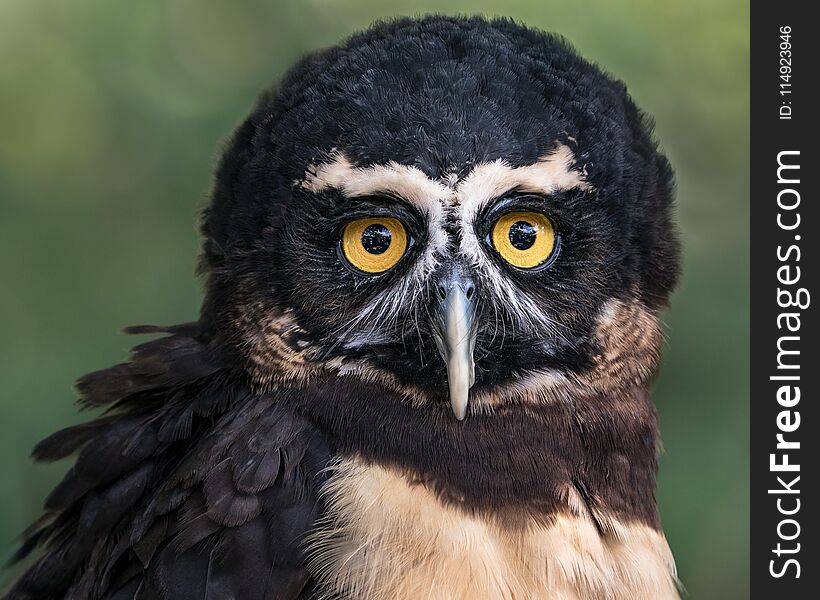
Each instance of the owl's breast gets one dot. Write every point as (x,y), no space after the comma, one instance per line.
(387,537)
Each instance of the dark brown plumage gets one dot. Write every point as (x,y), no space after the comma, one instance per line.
(191,487)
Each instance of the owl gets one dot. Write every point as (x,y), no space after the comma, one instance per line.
(434,263)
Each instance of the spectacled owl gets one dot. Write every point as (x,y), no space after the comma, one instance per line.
(434,261)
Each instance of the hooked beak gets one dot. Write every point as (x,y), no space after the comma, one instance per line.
(456,341)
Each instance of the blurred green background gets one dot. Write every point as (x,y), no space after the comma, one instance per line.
(111,116)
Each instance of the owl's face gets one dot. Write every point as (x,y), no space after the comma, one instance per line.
(453,281)
(444,213)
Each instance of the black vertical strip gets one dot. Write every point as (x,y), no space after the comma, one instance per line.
(785,426)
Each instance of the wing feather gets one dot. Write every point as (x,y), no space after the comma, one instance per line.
(190,486)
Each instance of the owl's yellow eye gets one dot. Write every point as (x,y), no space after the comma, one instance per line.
(524,239)
(375,244)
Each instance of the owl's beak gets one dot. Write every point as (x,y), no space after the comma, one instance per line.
(457,340)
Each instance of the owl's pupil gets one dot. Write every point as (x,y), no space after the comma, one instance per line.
(376,238)
(522,235)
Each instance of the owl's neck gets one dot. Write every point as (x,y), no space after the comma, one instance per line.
(537,459)
(540,446)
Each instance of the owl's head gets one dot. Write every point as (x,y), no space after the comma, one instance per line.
(462,210)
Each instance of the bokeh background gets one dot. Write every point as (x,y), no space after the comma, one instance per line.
(112,114)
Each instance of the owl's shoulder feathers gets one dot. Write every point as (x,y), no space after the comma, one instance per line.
(188,486)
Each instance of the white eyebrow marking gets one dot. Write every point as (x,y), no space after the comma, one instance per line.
(487,181)
(407,182)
